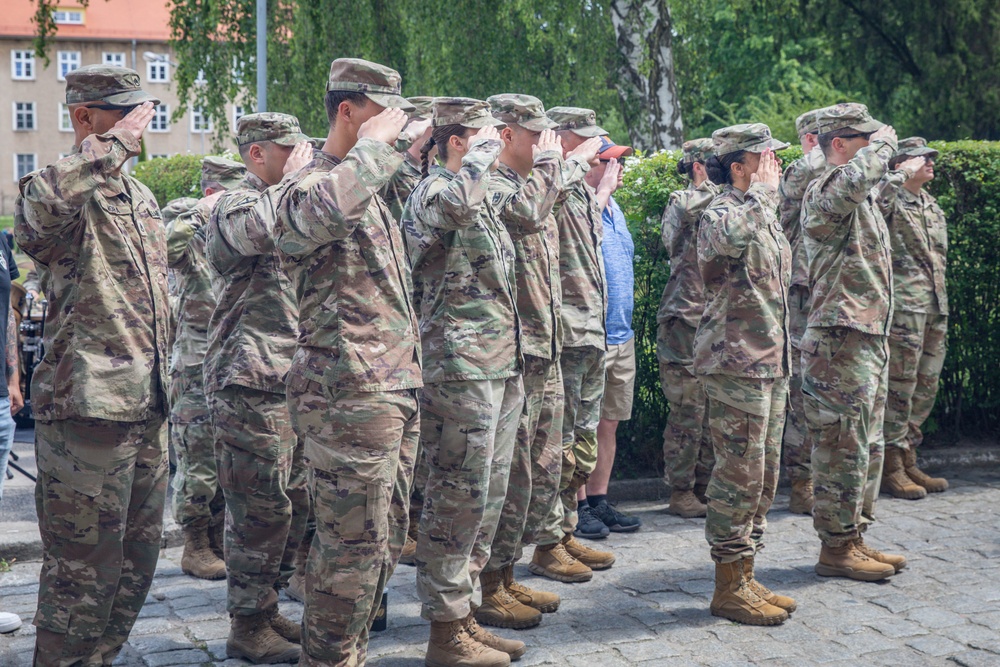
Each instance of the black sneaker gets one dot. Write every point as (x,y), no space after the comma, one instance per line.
(615,520)
(590,526)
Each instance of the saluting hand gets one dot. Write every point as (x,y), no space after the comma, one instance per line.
(136,120)
(547,141)
(885,133)
(300,156)
(912,165)
(768,171)
(489,133)
(416,128)
(611,180)
(384,126)
(588,151)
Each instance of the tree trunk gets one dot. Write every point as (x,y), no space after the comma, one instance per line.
(646,73)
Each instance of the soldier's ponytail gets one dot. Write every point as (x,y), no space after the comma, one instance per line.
(425,156)
(718,168)
(439,137)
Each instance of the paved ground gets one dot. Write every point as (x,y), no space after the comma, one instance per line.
(651,608)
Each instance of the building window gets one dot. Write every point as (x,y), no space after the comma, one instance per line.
(65,123)
(68,16)
(116,58)
(24,116)
(158,156)
(22,65)
(158,72)
(238,112)
(199,121)
(161,119)
(24,164)
(68,61)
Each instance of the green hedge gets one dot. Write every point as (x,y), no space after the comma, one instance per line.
(967,187)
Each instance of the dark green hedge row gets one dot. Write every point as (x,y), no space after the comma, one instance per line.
(967,187)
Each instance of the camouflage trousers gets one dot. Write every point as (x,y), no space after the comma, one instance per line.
(918,343)
(531,505)
(196,491)
(796,444)
(100,494)
(583,388)
(745,417)
(359,450)
(688,456)
(255,448)
(420,473)
(844,379)
(468,430)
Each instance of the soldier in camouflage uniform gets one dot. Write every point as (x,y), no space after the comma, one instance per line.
(99,394)
(687,448)
(918,337)
(353,381)
(742,354)
(844,349)
(797,447)
(198,502)
(465,292)
(252,338)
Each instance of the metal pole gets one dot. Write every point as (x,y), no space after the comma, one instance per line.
(261,55)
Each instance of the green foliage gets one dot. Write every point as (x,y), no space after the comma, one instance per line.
(967,187)
(171,177)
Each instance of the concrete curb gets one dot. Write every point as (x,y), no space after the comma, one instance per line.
(20,539)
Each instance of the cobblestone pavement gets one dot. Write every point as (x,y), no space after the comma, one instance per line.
(651,608)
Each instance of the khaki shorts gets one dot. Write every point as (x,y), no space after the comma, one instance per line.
(619,383)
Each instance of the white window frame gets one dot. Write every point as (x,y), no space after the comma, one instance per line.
(26,59)
(30,111)
(34,165)
(198,114)
(156,116)
(66,58)
(238,112)
(159,156)
(162,66)
(68,16)
(64,115)
(116,58)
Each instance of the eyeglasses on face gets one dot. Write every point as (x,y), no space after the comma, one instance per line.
(866,135)
(619,160)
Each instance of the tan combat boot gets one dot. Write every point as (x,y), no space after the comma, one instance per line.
(686,504)
(897,562)
(735,600)
(515,648)
(285,627)
(198,559)
(895,481)
(451,645)
(297,586)
(543,601)
(253,639)
(554,562)
(499,607)
(848,561)
(781,601)
(801,501)
(930,484)
(592,558)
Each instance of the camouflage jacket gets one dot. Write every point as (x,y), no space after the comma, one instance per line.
(536,256)
(684,293)
(345,254)
(581,265)
(192,284)
(253,329)
(792,189)
(746,263)
(401,185)
(463,272)
(98,241)
(847,245)
(918,234)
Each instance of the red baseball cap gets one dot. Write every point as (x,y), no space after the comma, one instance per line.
(612,151)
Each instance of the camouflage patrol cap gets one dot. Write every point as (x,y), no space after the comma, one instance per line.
(806,123)
(117,86)
(523,110)
(221,173)
(176,208)
(697,150)
(846,115)
(279,128)
(580,121)
(423,107)
(750,137)
(381,84)
(915,147)
(463,111)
